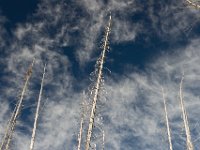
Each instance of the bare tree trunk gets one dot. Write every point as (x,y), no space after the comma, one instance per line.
(167,122)
(185,119)
(8,128)
(12,123)
(84,110)
(37,111)
(80,133)
(97,86)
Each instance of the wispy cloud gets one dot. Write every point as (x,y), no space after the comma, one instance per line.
(133,114)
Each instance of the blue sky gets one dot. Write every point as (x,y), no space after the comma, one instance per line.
(151,44)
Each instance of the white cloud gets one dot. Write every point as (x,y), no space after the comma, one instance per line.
(133,113)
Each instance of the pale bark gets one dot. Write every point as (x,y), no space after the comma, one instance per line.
(12,123)
(185,119)
(37,112)
(167,122)
(97,86)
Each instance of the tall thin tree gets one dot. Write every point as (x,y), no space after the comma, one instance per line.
(185,118)
(167,121)
(98,84)
(12,123)
(37,111)
(80,132)
(83,113)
